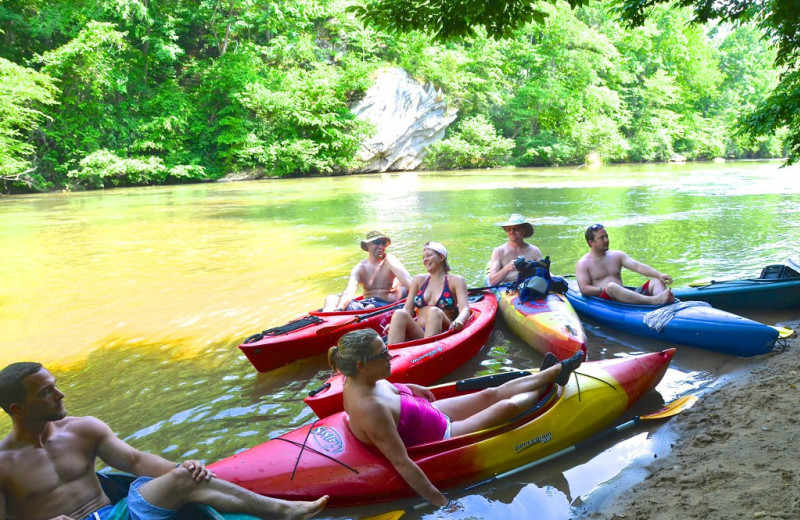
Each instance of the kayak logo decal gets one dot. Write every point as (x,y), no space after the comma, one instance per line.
(328,439)
(427,355)
(541,439)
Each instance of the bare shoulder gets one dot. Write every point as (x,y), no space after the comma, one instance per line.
(392,259)
(419,278)
(584,261)
(456,279)
(362,404)
(616,256)
(85,427)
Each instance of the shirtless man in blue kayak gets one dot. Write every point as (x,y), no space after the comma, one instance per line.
(501,265)
(599,273)
(47,465)
(381,274)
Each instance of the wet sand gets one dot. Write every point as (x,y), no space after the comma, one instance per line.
(735,454)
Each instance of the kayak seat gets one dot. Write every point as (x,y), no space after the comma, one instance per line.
(292,326)
(778,272)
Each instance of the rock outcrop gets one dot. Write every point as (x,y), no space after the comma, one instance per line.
(408,117)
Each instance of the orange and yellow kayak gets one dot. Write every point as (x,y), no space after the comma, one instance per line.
(324,458)
(548,324)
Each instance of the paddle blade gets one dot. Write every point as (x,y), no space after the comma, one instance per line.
(783,332)
(391,515)
(673,408)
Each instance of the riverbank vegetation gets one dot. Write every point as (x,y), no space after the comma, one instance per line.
(125,92)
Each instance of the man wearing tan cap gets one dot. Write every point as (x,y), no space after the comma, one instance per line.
(501,266)
(381,274)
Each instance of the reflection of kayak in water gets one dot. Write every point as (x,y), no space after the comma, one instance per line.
(325,458)
(311,334)
(547,324)
(115,486)
(696,326)
(425,360)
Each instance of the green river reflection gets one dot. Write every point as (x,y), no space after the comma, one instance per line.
(137,298)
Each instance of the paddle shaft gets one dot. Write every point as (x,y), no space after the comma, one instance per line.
(575,447)
(361,317)
(326,330)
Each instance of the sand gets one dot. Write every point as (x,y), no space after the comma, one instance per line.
(736,453)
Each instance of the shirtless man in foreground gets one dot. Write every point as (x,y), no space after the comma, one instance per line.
(381,275)
(599,273)
(47,465)
(501,265)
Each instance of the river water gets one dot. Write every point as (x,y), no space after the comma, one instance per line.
(137,298)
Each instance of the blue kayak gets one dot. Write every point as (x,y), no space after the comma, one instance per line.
(696,326)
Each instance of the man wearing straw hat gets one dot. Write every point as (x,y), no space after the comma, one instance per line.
(381,274)
(501,266)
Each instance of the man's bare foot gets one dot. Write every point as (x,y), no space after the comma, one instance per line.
(664,297)
(301,510)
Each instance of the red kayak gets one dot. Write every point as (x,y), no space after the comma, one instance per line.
(323,458)
(423,361)
(311,334)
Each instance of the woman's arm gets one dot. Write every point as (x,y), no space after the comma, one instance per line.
(462,300)
(382,432)
(412,291)
(421,391)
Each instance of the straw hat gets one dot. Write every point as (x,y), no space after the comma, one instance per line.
(439,248)
(372,236)
(518,220)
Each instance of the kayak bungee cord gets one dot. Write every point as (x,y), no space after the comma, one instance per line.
(303,447)
(314,450)
(592,377)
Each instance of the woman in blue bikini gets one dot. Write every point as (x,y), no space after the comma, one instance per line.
(440,300)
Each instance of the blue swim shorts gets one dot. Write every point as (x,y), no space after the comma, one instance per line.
(134,507)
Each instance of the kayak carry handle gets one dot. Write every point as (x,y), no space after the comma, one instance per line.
(324,387)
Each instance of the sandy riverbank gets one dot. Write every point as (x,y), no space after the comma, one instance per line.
(736,453)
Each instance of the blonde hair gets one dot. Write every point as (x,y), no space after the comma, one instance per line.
(352,348)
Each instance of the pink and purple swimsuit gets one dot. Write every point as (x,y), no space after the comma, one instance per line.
(420,422)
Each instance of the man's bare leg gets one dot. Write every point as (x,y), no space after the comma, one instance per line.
(624,295)
(177,488)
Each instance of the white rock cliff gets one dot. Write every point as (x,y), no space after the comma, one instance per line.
(408,117)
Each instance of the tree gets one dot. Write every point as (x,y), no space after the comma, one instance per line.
(24,93)
(778,20)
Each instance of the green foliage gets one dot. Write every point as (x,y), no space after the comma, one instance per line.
(119,92)
(24,96)
(102,169)
(453,18)
(474,144)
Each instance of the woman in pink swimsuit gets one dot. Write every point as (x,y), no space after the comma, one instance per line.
(436,300)
(394,416)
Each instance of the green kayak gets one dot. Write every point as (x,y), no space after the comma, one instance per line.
(115,485)
(778,287)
